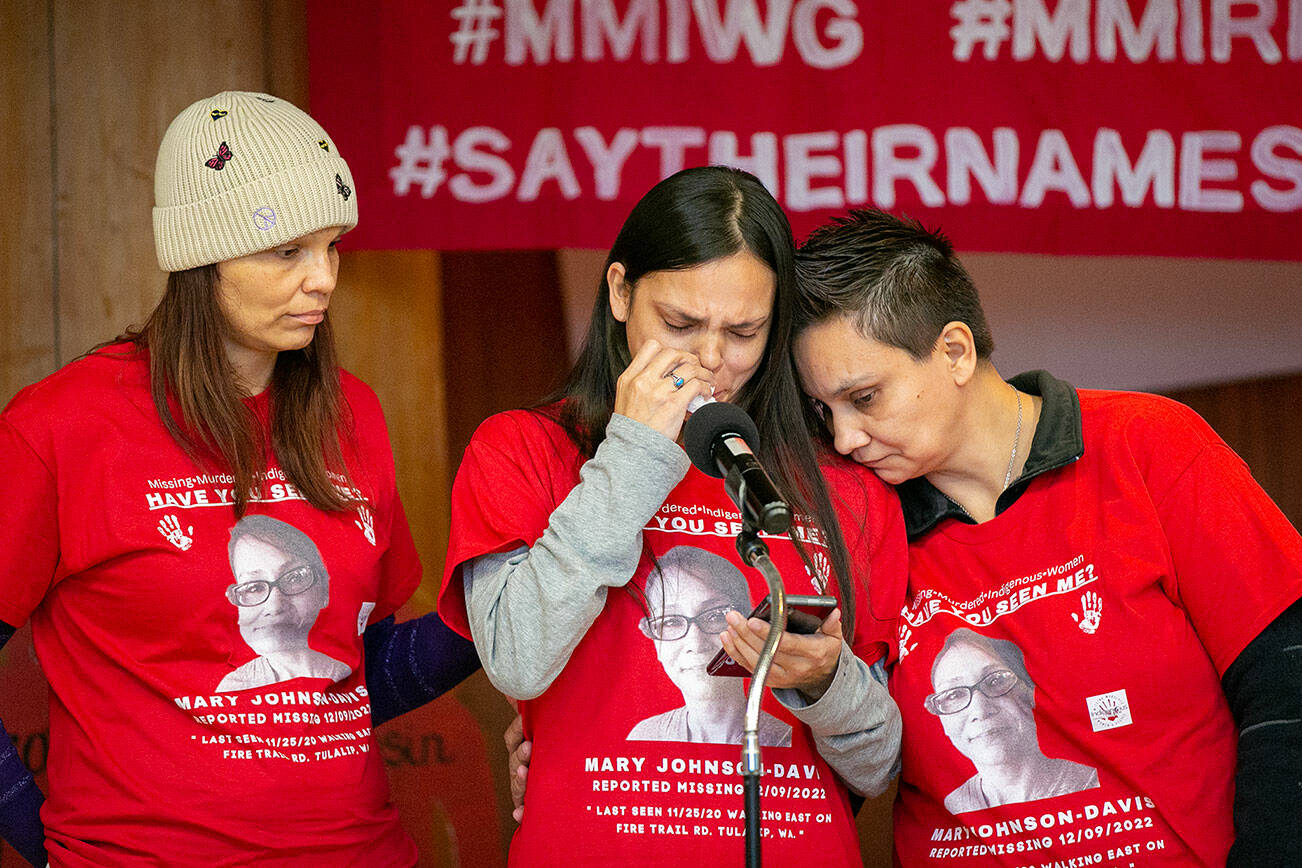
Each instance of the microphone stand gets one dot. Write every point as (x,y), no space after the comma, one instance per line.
(754,552)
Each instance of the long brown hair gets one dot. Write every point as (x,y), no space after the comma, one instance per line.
(695,216)
(195,391)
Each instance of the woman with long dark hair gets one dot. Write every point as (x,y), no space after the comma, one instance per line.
(561,512)
(125,473)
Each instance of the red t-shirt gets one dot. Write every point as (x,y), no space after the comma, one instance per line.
(186,730)
(614,775)
(1126,583)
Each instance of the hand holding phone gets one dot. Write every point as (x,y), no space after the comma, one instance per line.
(805,614)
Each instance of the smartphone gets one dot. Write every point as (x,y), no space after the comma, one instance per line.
(805,614)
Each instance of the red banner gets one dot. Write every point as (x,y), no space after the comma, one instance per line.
(1164,127)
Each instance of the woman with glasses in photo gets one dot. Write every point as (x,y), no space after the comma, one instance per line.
(985,701)
(281,585)
(689,593)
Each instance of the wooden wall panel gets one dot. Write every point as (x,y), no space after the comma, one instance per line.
(284,39)
(122,72)
(1259,420)
(28,329)
(388,315)
(580,274)
(505,348)
(506,335)
(876,827)
(446,765)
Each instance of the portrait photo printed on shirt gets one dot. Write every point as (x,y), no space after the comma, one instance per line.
(278,586)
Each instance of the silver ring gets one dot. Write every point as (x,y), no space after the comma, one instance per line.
(678,382)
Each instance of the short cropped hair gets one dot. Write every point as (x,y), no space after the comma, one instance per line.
(711,570)
(898,283)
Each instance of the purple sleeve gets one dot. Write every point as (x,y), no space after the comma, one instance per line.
(20,798)
(411,663)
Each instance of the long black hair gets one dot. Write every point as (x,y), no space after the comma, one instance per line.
(693,217)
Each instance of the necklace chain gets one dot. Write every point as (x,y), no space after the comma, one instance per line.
(1017,439)
(1012,458)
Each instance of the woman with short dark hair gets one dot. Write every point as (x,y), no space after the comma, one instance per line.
(1153,588)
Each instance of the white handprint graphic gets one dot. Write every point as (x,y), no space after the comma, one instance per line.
(1091,605)
(170,528)
(366,523)
(906,633)
(818,576)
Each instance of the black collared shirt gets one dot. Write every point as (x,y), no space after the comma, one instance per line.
(1259,686)
(1057,443)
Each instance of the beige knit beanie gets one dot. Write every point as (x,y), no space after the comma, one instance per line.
(242,172)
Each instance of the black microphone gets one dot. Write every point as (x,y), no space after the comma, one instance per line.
(719,438)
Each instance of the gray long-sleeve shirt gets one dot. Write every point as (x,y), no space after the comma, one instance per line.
(529,608)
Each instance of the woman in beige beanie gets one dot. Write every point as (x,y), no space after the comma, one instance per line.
(126,472)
